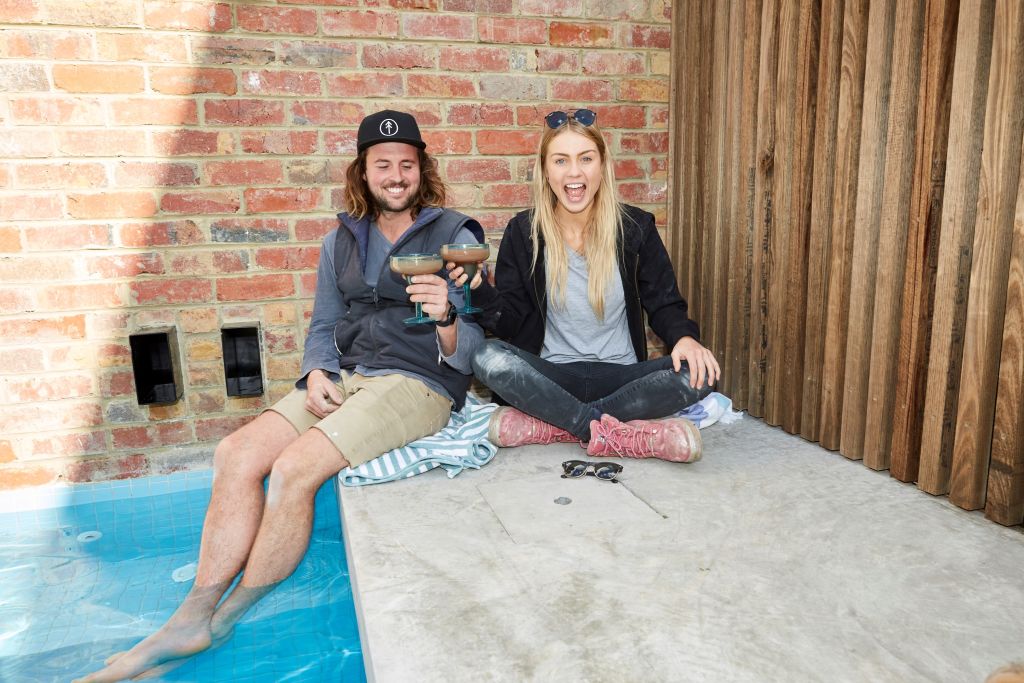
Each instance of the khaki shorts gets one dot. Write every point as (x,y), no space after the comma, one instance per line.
(377,414)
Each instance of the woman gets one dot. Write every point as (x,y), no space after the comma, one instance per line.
(575,276)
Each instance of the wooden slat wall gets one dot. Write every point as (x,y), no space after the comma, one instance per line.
(847,222)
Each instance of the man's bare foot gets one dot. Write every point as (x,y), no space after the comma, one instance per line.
(173,641)
(169,665)
(185,633)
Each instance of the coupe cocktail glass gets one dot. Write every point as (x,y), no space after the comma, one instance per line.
(469,256)
(416,264)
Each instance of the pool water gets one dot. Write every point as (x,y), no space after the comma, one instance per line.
(83,580)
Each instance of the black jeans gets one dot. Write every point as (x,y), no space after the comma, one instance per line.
(570,395)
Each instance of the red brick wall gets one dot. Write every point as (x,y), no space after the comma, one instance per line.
(177,163)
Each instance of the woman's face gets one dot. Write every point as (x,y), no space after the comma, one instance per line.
(573,170)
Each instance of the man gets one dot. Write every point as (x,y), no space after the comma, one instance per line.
(369,384)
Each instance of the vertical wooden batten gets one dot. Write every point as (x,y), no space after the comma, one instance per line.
(728,297)
(808,44)
(952,277)
(763,205)
(870,184)
(737,346)
(778,261)
(923,231)
(819,244)
(1004,502)
(892,233)
(682,128)
(715,235)
(993,233)
(844,206)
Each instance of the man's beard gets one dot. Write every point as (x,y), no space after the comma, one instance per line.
(385,202)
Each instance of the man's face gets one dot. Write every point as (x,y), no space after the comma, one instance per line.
(393,176)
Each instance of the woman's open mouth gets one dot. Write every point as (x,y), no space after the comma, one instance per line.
(575,192)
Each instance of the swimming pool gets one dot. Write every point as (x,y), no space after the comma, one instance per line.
(109,564)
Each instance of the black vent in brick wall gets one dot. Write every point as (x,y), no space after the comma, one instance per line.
(242,372)
(153,367)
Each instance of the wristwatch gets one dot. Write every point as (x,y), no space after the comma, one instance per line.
(448,319)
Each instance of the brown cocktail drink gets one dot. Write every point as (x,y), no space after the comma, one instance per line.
(469,256)
(416,264)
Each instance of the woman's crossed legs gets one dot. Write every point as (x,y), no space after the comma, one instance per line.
(572,395)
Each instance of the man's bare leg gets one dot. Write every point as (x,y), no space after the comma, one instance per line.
(283,535)
(287,524)
(241,462)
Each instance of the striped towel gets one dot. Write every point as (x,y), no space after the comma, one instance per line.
(463,443)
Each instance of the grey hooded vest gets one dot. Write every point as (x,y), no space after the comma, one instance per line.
(372,333)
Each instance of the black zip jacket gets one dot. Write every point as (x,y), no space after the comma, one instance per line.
(515,310)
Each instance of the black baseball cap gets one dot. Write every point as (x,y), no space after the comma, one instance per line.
(389,126)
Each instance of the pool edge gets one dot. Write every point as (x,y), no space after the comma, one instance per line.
(364,642)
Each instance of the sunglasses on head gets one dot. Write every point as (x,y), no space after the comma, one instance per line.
(601,470)
(557,119)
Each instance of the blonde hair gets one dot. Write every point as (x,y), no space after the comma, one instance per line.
(601,234)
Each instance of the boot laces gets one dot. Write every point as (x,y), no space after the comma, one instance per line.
(545,433)
(521,428)
(635,441)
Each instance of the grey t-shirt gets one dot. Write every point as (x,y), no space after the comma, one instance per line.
(377,250)
(574,333)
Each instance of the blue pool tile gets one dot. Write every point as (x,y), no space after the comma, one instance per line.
(141,487)
(119,588)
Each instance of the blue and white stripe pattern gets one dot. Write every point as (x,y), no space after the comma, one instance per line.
(463,443)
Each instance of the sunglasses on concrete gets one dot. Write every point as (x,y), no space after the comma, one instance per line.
(557,119)
(602,470)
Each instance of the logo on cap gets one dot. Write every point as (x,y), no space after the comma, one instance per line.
(388,127)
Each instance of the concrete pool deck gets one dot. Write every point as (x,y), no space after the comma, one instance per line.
(771,559)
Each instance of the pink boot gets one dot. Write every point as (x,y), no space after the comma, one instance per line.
(675,439)
(509,428)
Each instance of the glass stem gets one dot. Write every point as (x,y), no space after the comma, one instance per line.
(466,294)
(419,304)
